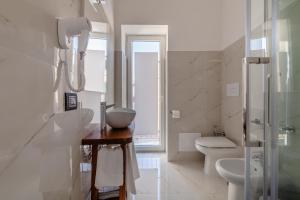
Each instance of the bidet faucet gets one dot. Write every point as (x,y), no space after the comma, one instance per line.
(103,108)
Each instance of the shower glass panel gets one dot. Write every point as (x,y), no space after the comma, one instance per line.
(257,99)
(288,99)
(272,92)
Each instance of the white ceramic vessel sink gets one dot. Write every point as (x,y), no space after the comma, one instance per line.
(120,117)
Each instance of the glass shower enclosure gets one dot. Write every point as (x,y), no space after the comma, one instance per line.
(272,100)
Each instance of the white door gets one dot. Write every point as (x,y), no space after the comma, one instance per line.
(146,90)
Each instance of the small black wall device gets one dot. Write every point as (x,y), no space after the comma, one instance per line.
(70,101)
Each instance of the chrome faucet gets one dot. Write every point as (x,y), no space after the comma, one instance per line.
(103,108)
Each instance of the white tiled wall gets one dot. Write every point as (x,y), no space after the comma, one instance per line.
(39,143)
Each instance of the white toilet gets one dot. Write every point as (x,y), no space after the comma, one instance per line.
(215,148)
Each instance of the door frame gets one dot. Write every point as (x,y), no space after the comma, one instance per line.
(163,85)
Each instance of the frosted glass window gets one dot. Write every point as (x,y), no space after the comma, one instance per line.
(258,44)
(145,91)
(97,44)
(95,65)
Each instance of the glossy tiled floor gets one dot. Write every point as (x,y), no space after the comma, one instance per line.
(184,180)
(146,139)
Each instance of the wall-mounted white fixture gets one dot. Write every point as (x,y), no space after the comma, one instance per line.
(175,114)
(68,28)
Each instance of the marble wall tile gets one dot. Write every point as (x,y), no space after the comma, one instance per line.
(197,87)
(194,88)
(26,97)
(232,107)
(48,166)
(39,143)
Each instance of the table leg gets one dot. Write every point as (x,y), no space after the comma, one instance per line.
(94,191)
(123,187)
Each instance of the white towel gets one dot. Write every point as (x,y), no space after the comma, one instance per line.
(110,168)
(132,172)
(109,171)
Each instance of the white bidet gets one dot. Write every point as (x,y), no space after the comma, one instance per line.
(233,170)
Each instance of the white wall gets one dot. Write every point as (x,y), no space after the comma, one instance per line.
(232,21)
(194,25)
(39,142)
(29,107)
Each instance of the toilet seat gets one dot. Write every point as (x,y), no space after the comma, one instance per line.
(220,152)
(215,142)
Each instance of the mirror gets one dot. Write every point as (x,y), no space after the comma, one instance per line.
(99,59)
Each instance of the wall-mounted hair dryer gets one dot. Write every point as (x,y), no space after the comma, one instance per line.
(68,28)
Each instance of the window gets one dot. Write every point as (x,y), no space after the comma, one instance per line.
(258,44)
(95,65)
(98,70)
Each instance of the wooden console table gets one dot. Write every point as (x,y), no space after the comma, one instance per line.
(105,137)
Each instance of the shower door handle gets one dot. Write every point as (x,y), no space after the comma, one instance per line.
(256,60)
(247,137)
(288,129)
(257,122)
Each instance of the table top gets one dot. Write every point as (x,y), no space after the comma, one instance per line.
(108,136)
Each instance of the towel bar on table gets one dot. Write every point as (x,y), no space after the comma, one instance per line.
(106,137)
